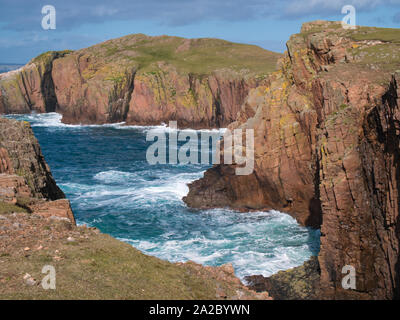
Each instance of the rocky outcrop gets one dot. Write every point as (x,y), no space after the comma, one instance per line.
(31,87)
(21,155)
(37,226)
(294,284)
(26,183)
(194,101)
(141,80)
(326,151)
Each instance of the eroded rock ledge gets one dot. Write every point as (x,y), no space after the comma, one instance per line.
(327,152)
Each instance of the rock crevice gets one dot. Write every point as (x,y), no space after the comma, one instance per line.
(140,80)
(326,151)
(25,178)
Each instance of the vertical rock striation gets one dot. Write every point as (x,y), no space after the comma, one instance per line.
(21,154)
(326,151)
(31,87)
(25,178)
(141,80)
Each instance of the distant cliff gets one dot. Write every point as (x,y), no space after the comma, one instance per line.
(327,129)
(142,80)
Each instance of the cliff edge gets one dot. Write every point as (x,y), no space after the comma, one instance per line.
(140,80)
(327,151)
(37,229)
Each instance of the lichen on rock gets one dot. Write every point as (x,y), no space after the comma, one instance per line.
(326,152)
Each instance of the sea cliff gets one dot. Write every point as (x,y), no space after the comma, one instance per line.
(326,130)
(38,229)
(326,124)
(140,80)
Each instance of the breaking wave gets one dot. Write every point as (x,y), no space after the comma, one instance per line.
(103,171)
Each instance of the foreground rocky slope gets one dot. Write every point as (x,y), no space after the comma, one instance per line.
(327,151)
(143,80)
(37,228)
(91,265)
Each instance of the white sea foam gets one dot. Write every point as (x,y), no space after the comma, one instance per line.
(115,176)
(165,128)
(54,119)
(144,208)
(262,242)
(233,236)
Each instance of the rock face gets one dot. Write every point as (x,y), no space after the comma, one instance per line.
(31,87)
(141,80)
(326,131)
(21,155)
(294,284)
(26,183)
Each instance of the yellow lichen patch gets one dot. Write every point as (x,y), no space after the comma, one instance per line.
(188,99)
(323,150)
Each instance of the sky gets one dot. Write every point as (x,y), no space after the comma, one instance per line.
(80,24)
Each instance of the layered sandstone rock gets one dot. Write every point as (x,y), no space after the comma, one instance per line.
(31,87)
(26,182)
(326,151)
(142,80)
(21,155)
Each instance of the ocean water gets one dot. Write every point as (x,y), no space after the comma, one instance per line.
(4,67)
(104,172)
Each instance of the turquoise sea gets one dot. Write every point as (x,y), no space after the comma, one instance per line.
(104,172)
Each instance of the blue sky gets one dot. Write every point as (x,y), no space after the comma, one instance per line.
(79,24)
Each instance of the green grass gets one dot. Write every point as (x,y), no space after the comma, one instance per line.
(372,33)
(361,33)
(10,208)
(386,56)
(197,56)
(46,58)
(104,268)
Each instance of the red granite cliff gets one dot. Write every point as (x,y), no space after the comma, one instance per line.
(141,80)
(327,129)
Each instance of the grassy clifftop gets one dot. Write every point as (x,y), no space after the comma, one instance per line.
(371,47)
(198,56)
(90,265)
